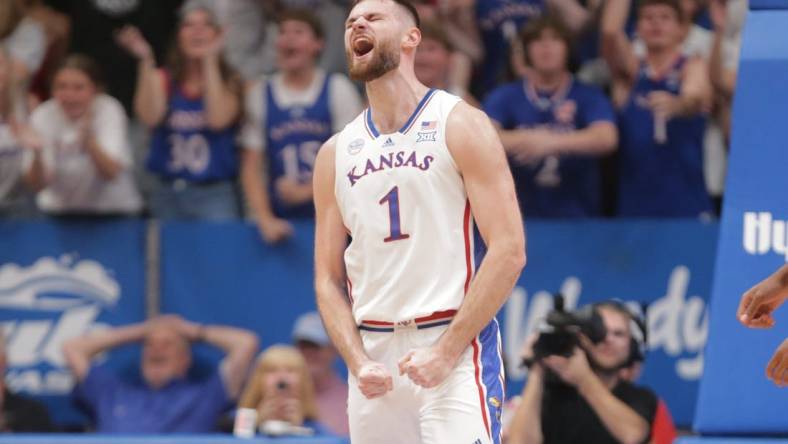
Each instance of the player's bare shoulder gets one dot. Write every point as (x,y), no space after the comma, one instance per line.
(328,149)
(468,131)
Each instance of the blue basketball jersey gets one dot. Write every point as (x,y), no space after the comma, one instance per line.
(660,179)
(556,186)
(183,147)
(497,19)
(293,137)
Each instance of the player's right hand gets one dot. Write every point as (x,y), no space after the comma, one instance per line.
(759,302)
(374,380)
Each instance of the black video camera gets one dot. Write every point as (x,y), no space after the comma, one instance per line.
(558,335)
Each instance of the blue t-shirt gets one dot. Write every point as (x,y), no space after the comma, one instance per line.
(496,20)
(293,137)
(556,186)
(184,147)
(182,406)
(660,179)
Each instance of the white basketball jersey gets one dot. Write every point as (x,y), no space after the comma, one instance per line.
(404,205)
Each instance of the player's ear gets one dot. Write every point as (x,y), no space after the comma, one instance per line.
(411,39)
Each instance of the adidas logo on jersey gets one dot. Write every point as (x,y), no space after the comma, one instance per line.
(388,143)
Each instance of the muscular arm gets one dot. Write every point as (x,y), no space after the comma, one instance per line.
(618,418)
(330,275)
(476,149)
(81,350)
(526,425)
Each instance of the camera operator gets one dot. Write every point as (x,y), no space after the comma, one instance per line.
(582,397)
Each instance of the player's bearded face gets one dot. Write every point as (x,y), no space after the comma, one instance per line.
(369,59)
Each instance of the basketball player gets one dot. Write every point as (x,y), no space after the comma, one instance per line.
(660,98)
(405,302)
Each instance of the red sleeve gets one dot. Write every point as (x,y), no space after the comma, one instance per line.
(662,429)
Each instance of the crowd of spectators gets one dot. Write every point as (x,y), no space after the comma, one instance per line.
(293,388)
(215,109)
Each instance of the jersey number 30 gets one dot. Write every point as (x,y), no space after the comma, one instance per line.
(395,231)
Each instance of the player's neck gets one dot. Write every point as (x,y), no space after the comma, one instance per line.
(547,81)
(392,99)
(299,79)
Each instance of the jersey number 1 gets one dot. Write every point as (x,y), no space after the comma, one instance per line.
(395,232)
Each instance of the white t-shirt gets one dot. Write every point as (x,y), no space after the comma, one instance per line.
(75,183)
(11,166)
(344,102)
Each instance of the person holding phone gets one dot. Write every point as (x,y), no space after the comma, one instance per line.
(282,393)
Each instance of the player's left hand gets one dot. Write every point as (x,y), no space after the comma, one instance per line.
(777,370)
(571,370)
(426,367)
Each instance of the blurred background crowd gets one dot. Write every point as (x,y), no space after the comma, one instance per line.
(214,109)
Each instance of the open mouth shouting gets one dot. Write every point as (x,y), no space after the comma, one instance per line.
(362,46)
